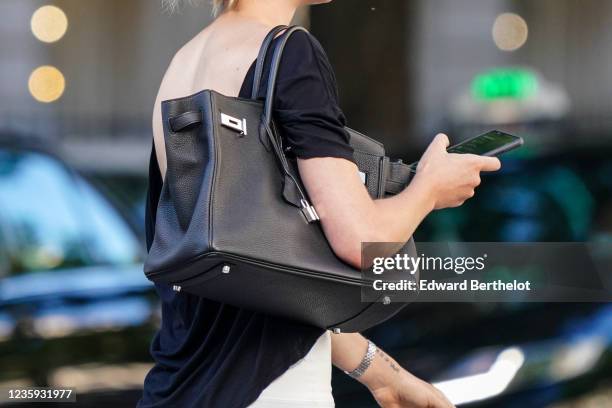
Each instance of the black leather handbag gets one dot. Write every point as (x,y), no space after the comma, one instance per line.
(234,223)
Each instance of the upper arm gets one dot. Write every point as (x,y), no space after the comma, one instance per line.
(306,109)
(308,116)
(344,205)
(158,135)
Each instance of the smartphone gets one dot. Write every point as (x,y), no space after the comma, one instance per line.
(492,143)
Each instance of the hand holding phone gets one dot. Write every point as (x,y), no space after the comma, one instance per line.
(492,143)
(450,179)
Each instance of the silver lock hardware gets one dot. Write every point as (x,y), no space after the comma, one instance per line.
(309,212)
(234,123)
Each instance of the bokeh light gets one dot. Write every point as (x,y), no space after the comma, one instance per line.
(510,31)
(49,24)
(47,84)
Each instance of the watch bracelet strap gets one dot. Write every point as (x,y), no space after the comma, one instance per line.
(365,362)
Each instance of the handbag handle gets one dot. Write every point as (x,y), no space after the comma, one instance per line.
(292,190)
(261,58)
(274,66)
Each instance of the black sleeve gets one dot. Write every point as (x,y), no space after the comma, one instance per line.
(306,109)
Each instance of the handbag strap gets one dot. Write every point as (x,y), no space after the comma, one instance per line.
(397,176)
(293,192)
(261,58)
(275,64)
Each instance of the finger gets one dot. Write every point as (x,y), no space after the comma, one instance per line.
(442,139)
(443,397)
(484,163)
(489,163)
(470,158)
(447,402)
(456,204)
(440,142)
(441,402)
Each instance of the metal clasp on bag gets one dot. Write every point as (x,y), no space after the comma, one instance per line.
(234,123)
(363,177)
(309,212)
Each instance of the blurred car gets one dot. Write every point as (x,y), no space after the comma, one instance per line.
(75,307)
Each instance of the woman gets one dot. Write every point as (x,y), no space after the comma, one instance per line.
(214,355)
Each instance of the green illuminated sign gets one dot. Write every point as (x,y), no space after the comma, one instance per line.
(504,83)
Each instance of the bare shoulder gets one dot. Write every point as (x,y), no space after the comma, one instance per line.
(217,58)
(191,49)
(183,66)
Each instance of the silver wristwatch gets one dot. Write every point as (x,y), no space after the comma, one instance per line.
(365,362)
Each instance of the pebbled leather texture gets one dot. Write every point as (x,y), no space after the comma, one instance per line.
(369,155)
(222,205)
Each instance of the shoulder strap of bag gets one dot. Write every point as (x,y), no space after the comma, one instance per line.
(274,65)
(261,58)
(293,192)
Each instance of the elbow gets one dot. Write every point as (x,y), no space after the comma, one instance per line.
(350,247)
(350,254)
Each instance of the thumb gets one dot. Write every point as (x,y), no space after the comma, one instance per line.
(442,139)
(439,143)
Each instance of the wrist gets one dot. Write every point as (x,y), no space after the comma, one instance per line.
(365,362)
(381,380)
(423,190)
(383,373)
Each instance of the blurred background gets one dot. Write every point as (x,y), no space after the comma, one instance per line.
(78,82)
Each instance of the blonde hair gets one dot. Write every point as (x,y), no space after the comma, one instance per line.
(219,6)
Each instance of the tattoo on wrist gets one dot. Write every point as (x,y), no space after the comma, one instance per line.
(388,359)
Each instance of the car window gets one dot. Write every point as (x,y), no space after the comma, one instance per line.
(51,218)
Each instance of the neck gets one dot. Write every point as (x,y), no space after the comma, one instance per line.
(268,12)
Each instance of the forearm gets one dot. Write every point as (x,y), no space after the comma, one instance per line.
(348,349)
(400,215)
(391,219)
(348,214)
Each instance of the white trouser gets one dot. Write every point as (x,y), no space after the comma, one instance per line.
(306,384)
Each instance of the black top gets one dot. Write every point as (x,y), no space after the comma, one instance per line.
(209,354)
